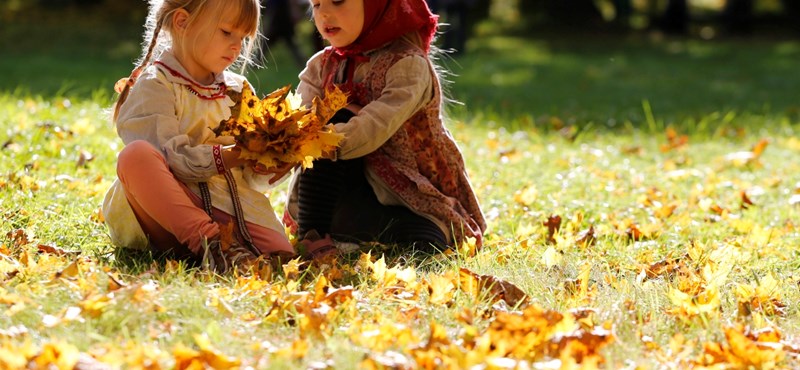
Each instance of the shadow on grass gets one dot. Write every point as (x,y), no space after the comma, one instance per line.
(607,79)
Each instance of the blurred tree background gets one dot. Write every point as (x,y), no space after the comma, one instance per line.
(704,18)
(594,60)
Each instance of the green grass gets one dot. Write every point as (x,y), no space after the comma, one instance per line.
(551,126)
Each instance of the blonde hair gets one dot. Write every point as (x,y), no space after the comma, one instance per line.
(158,34)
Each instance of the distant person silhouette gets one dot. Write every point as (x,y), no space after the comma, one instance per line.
(281,19)
(454,14)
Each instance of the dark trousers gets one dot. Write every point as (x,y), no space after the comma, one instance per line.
(335,198)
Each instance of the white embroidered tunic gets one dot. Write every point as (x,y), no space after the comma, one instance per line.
(176,116)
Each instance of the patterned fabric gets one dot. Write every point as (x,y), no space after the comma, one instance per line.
(386,21)
(421,162)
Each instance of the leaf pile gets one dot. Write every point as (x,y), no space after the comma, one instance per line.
(276,130)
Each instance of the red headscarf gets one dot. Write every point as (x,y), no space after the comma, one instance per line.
(387,20)
(384,22)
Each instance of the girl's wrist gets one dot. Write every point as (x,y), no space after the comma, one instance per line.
(230,157)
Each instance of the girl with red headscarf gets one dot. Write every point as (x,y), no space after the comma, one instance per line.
(398,176)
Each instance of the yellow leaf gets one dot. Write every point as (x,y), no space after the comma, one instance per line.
(551,257)
(95,305)
(56,355)
(69,272)
(275,130)
(206,357)
(440,289)
(492,287)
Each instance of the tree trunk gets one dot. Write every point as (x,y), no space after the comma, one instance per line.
(738,16)
(676,17)
(573,13)
(791,8)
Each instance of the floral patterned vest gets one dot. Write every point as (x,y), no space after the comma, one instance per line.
(421,162)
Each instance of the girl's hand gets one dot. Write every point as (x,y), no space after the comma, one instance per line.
(230,156)
(277,172)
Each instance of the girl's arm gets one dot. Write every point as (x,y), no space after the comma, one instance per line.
(311,79)
(150,114)
(409,88)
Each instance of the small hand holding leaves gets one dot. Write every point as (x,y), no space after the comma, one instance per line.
(278,133)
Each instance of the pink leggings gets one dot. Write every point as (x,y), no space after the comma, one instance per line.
(170,214)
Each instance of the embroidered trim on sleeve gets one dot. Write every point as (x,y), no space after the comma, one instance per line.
(217,150)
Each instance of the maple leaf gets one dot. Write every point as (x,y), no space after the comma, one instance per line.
(493,287)
(764,297)
(275,130)
(674,140)
(689,305)
(206,356)
(441,289)
(741,352)
(56,355)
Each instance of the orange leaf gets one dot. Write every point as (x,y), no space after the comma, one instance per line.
(493,287)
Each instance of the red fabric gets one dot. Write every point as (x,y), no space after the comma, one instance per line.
(387,20)
(384,22)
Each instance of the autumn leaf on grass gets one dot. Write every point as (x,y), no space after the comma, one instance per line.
(639,232)
(765,297)
(16,356)
(586,238)
(579,291)
(316,309)
(55,356)
(441,289)
(276,130)
(206,356)
(44,248)
(581,346)
(667,267)
(526,196)
(741,352)
(537,334)
(674,140)
(478,286)
(747,158)
(686,306)
(553,224)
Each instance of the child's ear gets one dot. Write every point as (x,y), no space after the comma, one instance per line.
(180,19)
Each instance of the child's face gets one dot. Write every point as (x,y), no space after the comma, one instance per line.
(339,21)
(212,45)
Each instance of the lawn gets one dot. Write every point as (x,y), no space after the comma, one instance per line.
(641,195)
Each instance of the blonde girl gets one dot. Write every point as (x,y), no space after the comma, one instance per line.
(181,191)
(398,176)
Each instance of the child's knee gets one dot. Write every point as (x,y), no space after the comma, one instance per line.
(136,151)
(136,154)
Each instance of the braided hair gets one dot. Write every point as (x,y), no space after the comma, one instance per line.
(158,34)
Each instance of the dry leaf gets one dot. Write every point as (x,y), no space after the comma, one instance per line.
(276,131)
(553,223)
(493,287)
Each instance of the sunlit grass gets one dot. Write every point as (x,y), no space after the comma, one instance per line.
(600,179)
(592,133)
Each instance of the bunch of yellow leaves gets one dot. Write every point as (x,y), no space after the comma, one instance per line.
(276,130)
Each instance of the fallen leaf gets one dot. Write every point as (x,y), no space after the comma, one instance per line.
(492,287)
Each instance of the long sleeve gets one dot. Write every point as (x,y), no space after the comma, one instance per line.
(150,114)
(409,87)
